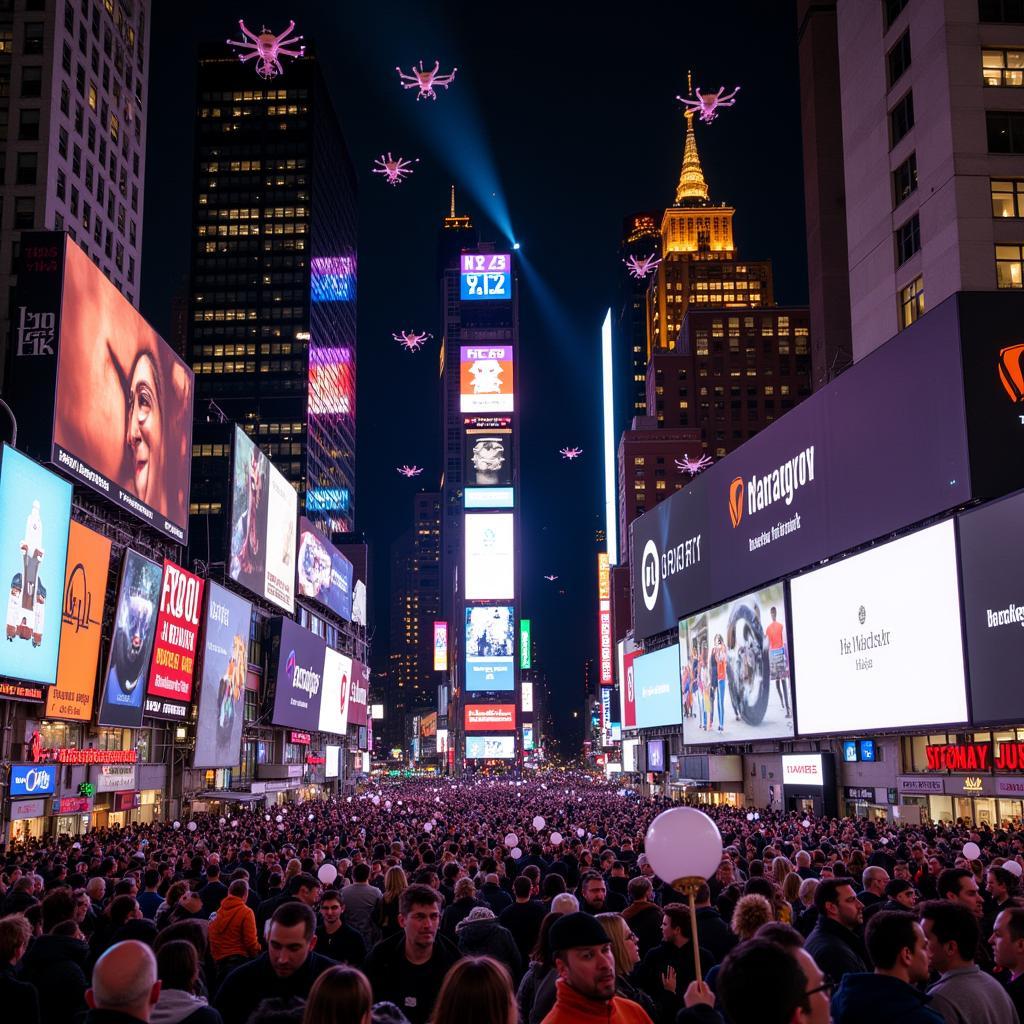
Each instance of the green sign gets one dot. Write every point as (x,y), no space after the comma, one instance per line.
(86,789)
(525,660)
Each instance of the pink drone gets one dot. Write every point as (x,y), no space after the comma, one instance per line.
(570,453)
(394,168)
(551,579)
(693,466)
(640,268)
(410,340)
(267,48)
(410,471)
(707,106)
(426,80)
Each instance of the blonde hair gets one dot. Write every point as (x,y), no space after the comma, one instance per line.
(617,930)
(752,911)
(395,883)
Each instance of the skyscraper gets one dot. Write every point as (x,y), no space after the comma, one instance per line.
(641,239)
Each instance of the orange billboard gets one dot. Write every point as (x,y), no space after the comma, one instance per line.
(85,589)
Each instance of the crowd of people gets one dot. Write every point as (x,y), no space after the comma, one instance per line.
(499,901)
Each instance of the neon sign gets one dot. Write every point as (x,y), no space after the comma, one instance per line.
(486,276)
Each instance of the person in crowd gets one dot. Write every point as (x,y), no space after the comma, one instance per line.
(232,933)
(1008,952)
(480,934)
(594,896)
(523,918)
(626,949)
(493,895)
(386,919)
(477,990)
(361,902)
(124,986)
(341,995)
(178,970)
(752,911)
(19,1000)
(150,898)
(302,887)
(335,938)
(56,964)
(834,942)
(540,976)
(213,893)
(643,915)
(873,883)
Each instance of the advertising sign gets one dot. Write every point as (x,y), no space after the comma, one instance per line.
(33,779)
(806,487)
(735,670)
(332,761)
(491,747)
(85,592)
(488,447)
(359,603)
(850,751)
(297,665)
(428,725)
(440,646)
(866,750)
(131,648)
(490,648)
(883,625)
(485,374)
(263,509)
(528,743)
(334,698)
(656,689)
(525,645)
(489,497)
(324,573)
(35,510)
(604,635)
(490,562)
(222,686)
(486,275)
(992,575)
(802,770)
(358,698)
(21,810)
(114,778)
(526,689)
(169,691)
(628,654)
(655,755)
(490,717)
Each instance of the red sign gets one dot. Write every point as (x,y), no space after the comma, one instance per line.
(626,690)
(72,805)
(300,737)
(974,757)
(174,649)
(359,688)
(73,755)
(490,717)
(315,759)
(127,801)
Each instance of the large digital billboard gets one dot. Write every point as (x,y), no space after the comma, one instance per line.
(734,664)
(628,654)
(131,647)
(489,497)
(485,275)
(490,717)
(490,561)
(488,448)
(324,573)
(485,375)
(490,648)
(503,747)
(263,509)
(169,690)
(440,646)
(877,638)
(334,697)
(35,511)
(359,695)
(992,575)
(297,662)
(222,684)
(656,688)
(138,454)
(85,593)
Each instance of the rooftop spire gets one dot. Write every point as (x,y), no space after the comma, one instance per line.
(456,220)
(692,189)
(453,202)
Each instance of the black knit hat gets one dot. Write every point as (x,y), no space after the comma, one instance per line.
(571,931)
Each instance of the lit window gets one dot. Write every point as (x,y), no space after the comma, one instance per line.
(1008,266)
(912,301)
(1008,198)
(1002,67)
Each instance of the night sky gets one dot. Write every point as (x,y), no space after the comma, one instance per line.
(560,123)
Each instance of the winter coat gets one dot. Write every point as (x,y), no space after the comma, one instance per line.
(572,1008)
(713,933)
(55,966)
(247,986)
(526,994)
(19,1000)
(177,1007)
(233,931)
(881,1000)
(485,937)
(495,897)
(836,950)
(412,989)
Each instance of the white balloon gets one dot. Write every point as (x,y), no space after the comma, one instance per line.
(376,801)
(556,838)
(266,817)
(516,853)
(234,823)
(387,805)
(428,827)
(1013,867)
(511,840)
(683,842)
(884,840)
(176,825)
(348,799)
(806,823)
(580,832)
(310,818)
(279,819)
(539,822)
(972,851)
(327,873)
(750,815)
(192,826)
(757,817)
(223,821)
(280,826)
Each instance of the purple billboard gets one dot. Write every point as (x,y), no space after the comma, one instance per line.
(297,662)
(324,573)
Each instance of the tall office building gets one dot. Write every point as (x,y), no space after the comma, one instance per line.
(73,95)
(640,239)
(272,292)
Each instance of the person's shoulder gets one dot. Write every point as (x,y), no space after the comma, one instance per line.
(627,1011)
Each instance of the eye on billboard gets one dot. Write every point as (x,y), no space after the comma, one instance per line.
(488,449)
(490,562)
(735,670)
(440,646)
(485,275)
(336,687)
(883,626)
(222,683)
(324,573)
(85,592)
(490,648)
(490,717)
(297,660)
(485,375)
(263,509)
(131,648)
(656,688)
(35,511)
(169,689)
(488,747)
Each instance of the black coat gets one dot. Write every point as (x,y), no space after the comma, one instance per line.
(412,989)
(713,933)
(648,974)
(523,920)
(55,966)
(345,946)
(836,950)
(18,999)
(247,986)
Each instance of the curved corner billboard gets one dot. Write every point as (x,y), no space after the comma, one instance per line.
(298,667)
(324,573)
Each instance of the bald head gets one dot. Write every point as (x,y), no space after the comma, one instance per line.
(124,979)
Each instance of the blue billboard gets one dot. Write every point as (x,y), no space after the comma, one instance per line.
(486,275)
(490,647)
(657,688)
(33,779)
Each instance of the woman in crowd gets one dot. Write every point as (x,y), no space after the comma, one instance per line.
(626,947)
(477,990)
(395,883)
(341,995)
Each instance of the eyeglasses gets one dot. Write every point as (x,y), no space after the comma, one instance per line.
(827,986)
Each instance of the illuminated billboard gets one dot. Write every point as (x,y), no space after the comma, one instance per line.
(297,665)
(485,275)
(324,573)
(525,644)
(428,725)
(169,688)
(489,497)
(526,701)
(440,646)
(490,717)
(656,688)
(528,736)
(485,376)
(490,563)
(488,447)
(359,695)
(35,511)
(263,509)
(490,648)
(487,747)
(337,683)
(332,278)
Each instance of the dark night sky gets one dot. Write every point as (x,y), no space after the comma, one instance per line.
(566,118)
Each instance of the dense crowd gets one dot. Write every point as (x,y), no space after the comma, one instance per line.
(509,902)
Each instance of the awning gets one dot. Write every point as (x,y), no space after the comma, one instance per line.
(230,794)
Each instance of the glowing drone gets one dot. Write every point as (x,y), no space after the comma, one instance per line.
(267,48)
(707,106)
(693,466)
(570,453)
(426,80)
(551,579)
(640,268)
(410,471)
(394,168)
(410,340)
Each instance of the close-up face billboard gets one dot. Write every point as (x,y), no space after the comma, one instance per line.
(324,573)
(488,445)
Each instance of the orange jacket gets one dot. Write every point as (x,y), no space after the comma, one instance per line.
(233,930)
(572,1008)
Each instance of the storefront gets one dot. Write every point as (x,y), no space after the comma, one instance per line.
(873,802)
(70,815)
(108,782)
(28,819)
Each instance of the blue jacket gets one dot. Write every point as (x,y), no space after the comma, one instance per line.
(881,999)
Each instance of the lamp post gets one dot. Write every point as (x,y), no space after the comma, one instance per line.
(684,845)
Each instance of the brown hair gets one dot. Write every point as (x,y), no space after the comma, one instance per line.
(340,993)
(752,911)
(477,990)
(15,931)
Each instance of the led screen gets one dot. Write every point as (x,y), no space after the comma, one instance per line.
(169,688)
(440,646)
(527,736)
(655,755)
(324,573)
(138,454)
(490,564)
(882,628)
(263,510)
(490,648)
(35,511)
(485,276)
(802,770)
(527,697)
(298,668)
(332,761)
(489,497)
(656,688)
(503,747)
(131,647)
(488,447)
(490,717)
(334,698)
(735,670)
(485,375)
(358,695)
(428,725)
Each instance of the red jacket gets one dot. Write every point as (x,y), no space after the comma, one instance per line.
(572,1008)
(233,931)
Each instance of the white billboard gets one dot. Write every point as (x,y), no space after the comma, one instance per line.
(802,770)
(527,704)
(332,761)
(490,561)
(334,692)
(503,747)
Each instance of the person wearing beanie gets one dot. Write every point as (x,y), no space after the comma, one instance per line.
(586,975)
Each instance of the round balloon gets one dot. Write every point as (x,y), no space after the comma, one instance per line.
(279,819)
(176,824)
(683,842)
(972,851)
(539,822)
(327,873)
(581,832)
(192,826)
(1013,867)
(516,853)
(556,838)
(511,840)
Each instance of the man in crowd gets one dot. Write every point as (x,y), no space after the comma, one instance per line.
(18,999)
(834,942)
(594,895)
(303,887)
(361,902)
(232,934)
(1008,951)
(643,915)
(873,882)
(334,938)
(124,985)
(712,931)
(523,919)
(668,968)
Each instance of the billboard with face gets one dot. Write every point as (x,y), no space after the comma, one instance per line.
(131,647)
(222,689)
(297,658)
(263,509)
(324,573)
(490,561)
(485,373)
(488,444)
(490,648)
(169,691)
(35,510)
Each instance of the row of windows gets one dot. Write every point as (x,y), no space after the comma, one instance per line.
(249,366)
(254,95)
(234,315)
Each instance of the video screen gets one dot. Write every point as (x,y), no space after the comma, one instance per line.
(656,688)
(485,275)
(734,667)
(169,689)
(324,573)
(489,747)
(334,699)
(489,497)
(485,373)
(655,755)
(490,556)
(488,447)
(359,694)
(490,717)
(138,454)
(802,770)
(490,648)
(299,672)
(877,638)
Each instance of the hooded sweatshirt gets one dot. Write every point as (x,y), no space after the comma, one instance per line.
(233,930)
(176,1006)
(881,1000)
